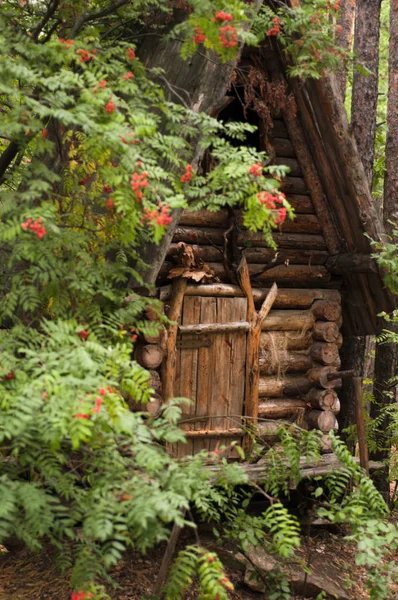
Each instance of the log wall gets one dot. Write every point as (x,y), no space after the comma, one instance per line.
(300,337)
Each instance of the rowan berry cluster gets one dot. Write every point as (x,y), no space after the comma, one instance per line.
(222,16)
(159,216)
(228,36)
(110,106)
(129,75)
(66,43)
(187,176)
(275,30)
(270,200)
(199,37)
(86,55)
(256,169)
(130,54)
(36,227)
(138,182)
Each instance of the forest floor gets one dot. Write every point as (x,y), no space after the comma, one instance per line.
(24,576)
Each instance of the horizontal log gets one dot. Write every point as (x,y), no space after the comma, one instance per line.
(351,263)
(288,320)
(150,356)
(279,408)
(207,218)
(156,382)
(326,331)
(319,376)
(292,163)
(286,298)
(262,431)
(325,353)
(321,419)
(280,386)
(255,255)
(279,129)
(326,311)
(284,341)
(292,362)
(156,339)
(152,406)
(322,399)
(288,275)
(209,328)
(283,147)
(301,203)
(213,235)
(293,185)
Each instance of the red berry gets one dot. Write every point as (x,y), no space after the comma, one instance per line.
(83,334)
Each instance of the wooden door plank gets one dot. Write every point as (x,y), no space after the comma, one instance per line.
(188,368)
(208,314)
(237,372)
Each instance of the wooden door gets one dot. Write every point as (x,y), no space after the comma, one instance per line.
(210,370)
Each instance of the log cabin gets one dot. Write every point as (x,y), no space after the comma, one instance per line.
(257,342)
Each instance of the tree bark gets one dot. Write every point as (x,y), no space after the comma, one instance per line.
(201,84)
(352,355)
(365,88)
(386,354)
(344,39)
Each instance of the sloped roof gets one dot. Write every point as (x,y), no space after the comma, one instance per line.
(347,210)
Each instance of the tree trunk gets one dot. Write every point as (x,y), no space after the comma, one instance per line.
(352,356)
(346,21)
(365,88)
(200,83)
(386,354)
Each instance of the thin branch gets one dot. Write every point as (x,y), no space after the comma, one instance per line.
(52,7)
(86,18)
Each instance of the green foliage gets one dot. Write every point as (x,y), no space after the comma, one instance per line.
(308,34)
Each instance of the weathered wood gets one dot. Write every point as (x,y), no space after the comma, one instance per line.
(289,320)
(169,365)
(150,356)
(321,419)
(326,331)
(206,373)
(152,406)
(301,203)
(264,430)
(292,163)
(283,147)
(293,185)
(293,275)
(279,129)
(312,180)
(273,387)
(319,376)
(213,235)
(209,328)
(286,363)
(156,382)
(214,253)
(285,341)
(253,341)
(156,339)
(325,353)
(286,298)
(362,442)
(280,408)
(327,311)
(167,558)
(188,368)
(322,399)
(351,263)
(209,219)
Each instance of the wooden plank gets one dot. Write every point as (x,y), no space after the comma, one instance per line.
(237,371)
(208,314)
(286,298)
(188,368)
(215,235)
(169,365)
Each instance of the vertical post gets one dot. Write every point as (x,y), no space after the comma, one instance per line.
(253,342)
(168,368)
(362,443)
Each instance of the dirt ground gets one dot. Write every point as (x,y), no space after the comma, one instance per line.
(24,576)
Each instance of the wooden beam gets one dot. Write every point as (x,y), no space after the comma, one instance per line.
(168,369)
(362,442)
(351,263)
